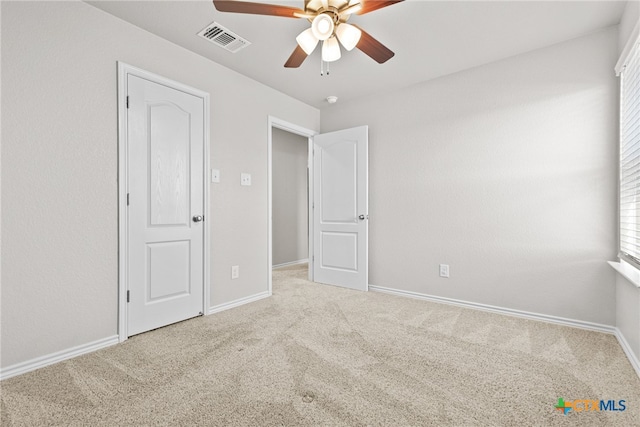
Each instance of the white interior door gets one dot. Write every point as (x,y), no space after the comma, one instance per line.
(165,154)
(340,208)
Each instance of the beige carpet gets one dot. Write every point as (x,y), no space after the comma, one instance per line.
(319,355)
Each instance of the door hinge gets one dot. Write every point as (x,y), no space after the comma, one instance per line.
(127,199)
(127,101)
(127,296)
(313,258)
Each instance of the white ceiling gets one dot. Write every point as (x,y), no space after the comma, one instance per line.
(430,39)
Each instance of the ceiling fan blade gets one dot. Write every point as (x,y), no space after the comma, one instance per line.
(372,47)
(257,8)
(297,58)
(371,5)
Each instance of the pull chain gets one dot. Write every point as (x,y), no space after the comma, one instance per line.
(322,67)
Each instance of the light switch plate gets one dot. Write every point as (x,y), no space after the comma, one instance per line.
(245,179)
(215,175)
(444,270)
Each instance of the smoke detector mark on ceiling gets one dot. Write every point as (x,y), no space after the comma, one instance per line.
(221,36)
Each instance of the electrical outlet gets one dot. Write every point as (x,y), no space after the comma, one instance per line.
(235,271)
(245,179)
(444,270)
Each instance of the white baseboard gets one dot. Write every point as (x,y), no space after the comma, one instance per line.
(50,359)
(238,302)
(288,264)
(499,310)
(633,359)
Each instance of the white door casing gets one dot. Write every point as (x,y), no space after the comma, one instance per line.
(340,211)
(166,149)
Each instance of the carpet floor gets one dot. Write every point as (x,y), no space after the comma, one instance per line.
(317,355)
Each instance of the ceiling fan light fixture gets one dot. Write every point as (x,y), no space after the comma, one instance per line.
(348,35)
(313,4)
(307,41)
(325,16)
(331,50)
(322,26)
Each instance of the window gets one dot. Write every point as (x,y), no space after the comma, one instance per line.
(630,156)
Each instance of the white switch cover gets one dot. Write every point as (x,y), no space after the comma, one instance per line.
(444,270)
(245,179)
(215,175)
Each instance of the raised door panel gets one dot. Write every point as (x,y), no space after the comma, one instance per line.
(169,165)
(339,182)
(168,270)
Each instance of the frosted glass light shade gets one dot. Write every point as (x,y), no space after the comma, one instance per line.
(322,26)
(348,35)
(331,50)
(307,41)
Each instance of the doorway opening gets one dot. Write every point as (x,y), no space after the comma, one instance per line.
(290,196)
(291,215)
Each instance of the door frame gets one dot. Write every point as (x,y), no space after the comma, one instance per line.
(275,122)
(123,71)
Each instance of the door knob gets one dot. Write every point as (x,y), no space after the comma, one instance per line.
(361,217)
(198,218)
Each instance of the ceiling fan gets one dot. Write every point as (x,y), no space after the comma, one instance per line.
(328,20)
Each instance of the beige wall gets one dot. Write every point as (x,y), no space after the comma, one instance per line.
(290,203)
(59,171)
(629,20)
(506,172)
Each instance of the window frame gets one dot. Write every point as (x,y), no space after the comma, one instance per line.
(630,56)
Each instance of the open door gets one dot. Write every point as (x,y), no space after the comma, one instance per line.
(340,208)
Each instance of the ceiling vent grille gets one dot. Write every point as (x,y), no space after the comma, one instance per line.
(219,35)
